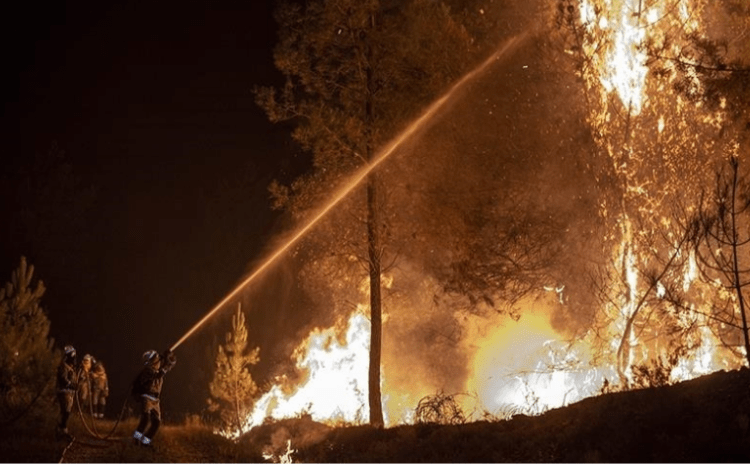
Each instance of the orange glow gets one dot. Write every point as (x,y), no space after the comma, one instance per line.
(524,367)
(528,367)
(335,386)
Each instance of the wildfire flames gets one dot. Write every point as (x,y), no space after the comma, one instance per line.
(335,385)
(624,69)
(526,366)
(522,367)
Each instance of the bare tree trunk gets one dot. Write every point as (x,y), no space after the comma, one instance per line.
(373,252)
(376,323)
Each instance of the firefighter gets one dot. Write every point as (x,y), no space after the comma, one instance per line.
(66,389)
(84,382)
(99,389)
(147,389)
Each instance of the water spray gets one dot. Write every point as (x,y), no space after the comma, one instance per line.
(359,176)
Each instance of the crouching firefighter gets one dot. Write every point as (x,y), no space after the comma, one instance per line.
(147,388)
(66,389)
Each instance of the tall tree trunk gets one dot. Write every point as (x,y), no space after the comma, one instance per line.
(376,322)
(373,252)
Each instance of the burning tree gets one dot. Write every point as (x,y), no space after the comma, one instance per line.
(658,137)
(27,359)
(355,71)
(504,215)
(232,388)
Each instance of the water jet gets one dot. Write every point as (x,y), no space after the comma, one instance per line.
(361,174)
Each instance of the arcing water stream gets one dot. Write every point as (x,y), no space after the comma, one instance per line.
(360,175)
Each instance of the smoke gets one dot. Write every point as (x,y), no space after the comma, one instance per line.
(421,338)
(514,153)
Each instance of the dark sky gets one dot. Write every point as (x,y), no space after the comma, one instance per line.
(152,106)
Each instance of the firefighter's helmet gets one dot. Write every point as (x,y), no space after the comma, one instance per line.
(88,358)
(69,351)
(150,356)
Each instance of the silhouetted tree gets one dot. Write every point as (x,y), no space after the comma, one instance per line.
(27,357)
(714,71)
(721,239)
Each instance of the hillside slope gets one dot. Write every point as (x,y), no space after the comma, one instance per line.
(702,420)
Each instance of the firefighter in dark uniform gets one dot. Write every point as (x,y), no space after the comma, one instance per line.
(66,389)
(147,389)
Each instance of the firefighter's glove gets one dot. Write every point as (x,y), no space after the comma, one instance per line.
(170,357)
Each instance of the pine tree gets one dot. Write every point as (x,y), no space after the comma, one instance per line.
(27,358)
(356,71)
(233,388)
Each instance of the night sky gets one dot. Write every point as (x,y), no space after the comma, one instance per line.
(164,206)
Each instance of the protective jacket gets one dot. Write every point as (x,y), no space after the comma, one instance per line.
(66,377)
(84,382)
(151,378)
(99,381)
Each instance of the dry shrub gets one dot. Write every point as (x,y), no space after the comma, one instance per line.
(439,409)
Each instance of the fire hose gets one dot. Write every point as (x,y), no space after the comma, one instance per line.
(62,456)
(94,433)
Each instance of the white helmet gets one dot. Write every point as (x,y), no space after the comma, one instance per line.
(149,356)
